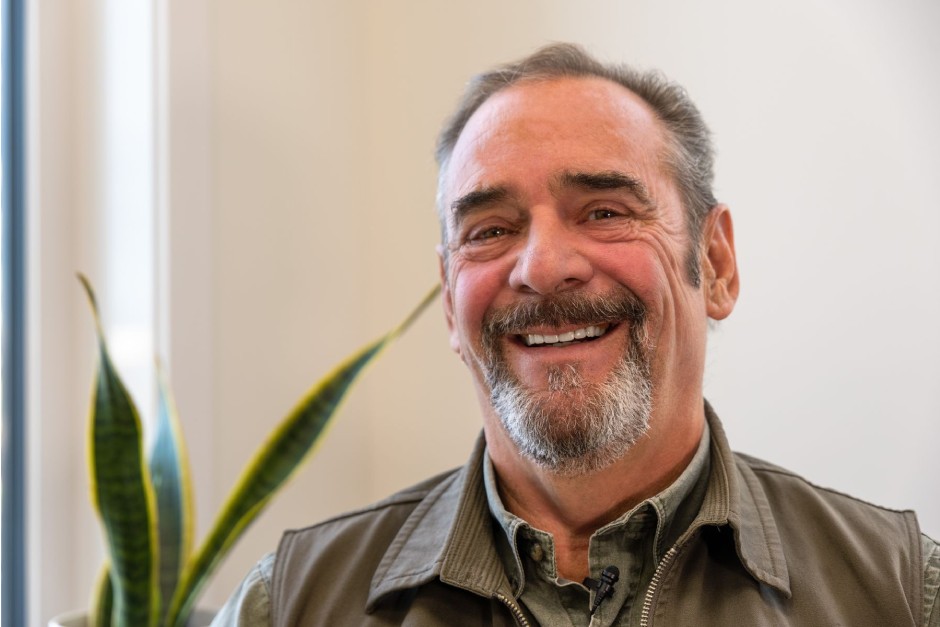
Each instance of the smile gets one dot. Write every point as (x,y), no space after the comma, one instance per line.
(563,339)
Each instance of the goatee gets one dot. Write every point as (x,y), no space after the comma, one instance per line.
(575,427)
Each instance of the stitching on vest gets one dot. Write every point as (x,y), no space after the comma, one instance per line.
(917,567)
(276,574)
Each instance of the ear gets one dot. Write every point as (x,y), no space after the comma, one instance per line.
(720,280)
(448,301)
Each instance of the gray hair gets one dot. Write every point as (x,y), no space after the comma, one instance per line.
(689,155)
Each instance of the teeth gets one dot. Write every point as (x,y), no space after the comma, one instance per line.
(533,339)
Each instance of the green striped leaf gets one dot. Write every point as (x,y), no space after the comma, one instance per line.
(273,464)
(121,491)
(172,484)
(103,602)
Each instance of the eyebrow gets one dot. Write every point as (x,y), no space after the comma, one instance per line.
(476,200)
(608,180)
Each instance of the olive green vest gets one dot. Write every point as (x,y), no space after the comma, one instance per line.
(767,548)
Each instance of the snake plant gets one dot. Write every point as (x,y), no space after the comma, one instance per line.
(153,577)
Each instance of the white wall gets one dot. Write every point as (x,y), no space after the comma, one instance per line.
(298,182)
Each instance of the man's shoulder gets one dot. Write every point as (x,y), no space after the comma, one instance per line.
(326,566)
(395,507)
(820,525)
(806,515)
(775,477)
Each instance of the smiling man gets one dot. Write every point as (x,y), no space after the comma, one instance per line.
(583,255)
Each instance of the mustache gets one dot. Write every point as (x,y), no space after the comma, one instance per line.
(565,308)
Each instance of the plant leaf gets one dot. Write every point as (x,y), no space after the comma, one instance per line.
(172,484)
(273,464)
(121,491)
(103,602)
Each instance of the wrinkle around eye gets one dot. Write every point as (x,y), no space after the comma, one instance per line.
(613,226)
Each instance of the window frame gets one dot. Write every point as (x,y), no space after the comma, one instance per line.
(14,315)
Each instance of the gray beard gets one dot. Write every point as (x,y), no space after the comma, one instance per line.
(575,427)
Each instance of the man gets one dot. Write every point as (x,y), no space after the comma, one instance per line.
(583,254)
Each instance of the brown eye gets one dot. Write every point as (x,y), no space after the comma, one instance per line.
(490,233)
(602,214)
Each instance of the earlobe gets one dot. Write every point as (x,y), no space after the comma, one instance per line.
(447,300)
(720,268)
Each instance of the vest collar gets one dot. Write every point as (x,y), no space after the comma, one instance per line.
(449,536)
(735,498)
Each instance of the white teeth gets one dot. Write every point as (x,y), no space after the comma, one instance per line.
(532,339)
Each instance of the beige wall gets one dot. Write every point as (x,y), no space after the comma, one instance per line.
(323,183)
(299,186)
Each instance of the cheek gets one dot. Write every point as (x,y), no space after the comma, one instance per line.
(637,268)
(475,289)
(657,278)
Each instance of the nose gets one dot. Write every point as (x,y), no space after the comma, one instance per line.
(550,260)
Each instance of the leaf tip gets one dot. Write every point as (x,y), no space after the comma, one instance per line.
(89,291)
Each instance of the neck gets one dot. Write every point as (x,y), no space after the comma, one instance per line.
(573,508)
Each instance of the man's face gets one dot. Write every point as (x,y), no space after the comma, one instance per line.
(565,281)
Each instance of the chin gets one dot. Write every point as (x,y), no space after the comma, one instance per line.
(574,427)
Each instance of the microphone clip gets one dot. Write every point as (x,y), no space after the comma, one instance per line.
(604,587)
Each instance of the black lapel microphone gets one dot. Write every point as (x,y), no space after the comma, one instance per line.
(603,588)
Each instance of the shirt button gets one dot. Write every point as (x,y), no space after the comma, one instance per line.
(536,552)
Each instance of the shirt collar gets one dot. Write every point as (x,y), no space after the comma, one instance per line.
(675,508)
(450,534)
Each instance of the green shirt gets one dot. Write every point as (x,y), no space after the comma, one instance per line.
(634,543)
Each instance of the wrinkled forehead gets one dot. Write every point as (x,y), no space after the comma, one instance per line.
(572,123)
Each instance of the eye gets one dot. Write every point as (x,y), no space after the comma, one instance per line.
(487,233)
(602,214)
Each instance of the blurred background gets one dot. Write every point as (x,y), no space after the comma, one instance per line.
(250,186)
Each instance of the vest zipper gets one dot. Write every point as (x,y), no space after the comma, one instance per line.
(654,585)
(521,620)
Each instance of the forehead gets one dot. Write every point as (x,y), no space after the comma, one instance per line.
(544,127)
